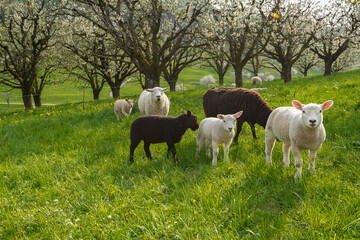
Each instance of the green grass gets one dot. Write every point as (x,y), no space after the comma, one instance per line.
(65,174)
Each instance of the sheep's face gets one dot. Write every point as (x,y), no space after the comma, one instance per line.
(130,102)
(229,121)
(191,121)
(312,116)
(157,92)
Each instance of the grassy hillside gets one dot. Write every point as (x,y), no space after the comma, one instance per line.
(65,173)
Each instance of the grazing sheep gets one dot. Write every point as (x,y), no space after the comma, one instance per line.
(233,85)
(230,100)
(153,101)
(158,129)
(123,106)
(217,131)
(299,127)
(256,81)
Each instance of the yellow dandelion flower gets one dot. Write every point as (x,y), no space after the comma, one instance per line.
(194,200)
(112,192)
(123,205)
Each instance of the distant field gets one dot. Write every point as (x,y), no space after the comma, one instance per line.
(65,173)
(65,90)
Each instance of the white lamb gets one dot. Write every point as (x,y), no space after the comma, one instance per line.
(153,101)
(256,81)
(299,127)
(217,131)
(123,106)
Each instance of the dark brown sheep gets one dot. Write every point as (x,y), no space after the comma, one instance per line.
(158,129)
(231,100)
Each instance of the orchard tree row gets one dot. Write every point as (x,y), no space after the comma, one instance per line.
(108,41)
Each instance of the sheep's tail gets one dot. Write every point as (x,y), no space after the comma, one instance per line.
(263,113)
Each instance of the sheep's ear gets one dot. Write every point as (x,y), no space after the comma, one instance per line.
(220,116)
(297,104)
(327,104)
(126,99)
(134,100)
(149,90)
(238,114)
(188,113)
(165,89)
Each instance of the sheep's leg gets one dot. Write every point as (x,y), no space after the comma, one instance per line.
(312,156)
(297,160)
(126,115)
(227,150)
(207,145)
(133,145)
(199,143)
(286,148)
(239,124)
(269,145)
(252,126)
(171,147)
(215,153)
(117,115)
(147,150)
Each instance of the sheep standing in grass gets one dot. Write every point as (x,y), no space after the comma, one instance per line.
(153,101)
(230,100)
(217,131)
(299,127)
(158,129)
(123,106)
(256,81)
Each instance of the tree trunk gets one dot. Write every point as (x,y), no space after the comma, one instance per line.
(221,80)
(328,64)
(26,95)
(96,93)
(152,80)
(172,85)
(115,90)
(37,100)
(238,76)
(286,70)
(305,73)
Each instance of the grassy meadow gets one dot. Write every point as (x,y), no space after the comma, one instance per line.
(65,173)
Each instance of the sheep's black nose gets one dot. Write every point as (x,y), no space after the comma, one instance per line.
(312,121)
(230,128)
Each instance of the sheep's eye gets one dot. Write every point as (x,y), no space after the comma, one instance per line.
(303,111)
(320,111)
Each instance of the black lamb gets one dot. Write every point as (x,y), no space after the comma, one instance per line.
(230,100)
(158,129)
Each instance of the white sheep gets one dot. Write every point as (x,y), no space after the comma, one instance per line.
(256,81)
(123,106)
(299,127)
(233,85)
(217,131)
(153,101)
